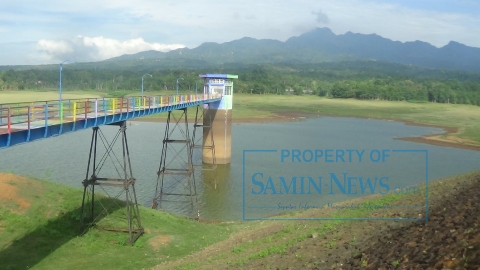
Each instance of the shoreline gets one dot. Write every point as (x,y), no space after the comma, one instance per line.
(446,139)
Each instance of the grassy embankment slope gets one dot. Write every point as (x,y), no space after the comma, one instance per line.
(39,229)
(447,239)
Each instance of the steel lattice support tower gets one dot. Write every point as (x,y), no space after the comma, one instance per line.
(110,205)
(175,176)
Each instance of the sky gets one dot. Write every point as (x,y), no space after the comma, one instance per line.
(50,31)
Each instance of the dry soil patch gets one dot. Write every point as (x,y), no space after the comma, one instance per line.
(10,186)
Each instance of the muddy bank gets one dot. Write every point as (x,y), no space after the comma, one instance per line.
(439,142)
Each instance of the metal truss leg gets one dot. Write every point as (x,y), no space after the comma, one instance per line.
(205,143)
(123,184)
(175,176)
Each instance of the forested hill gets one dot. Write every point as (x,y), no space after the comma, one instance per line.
(316,46)
(347,79)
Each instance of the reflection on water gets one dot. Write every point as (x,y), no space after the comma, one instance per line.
(214,188)
(63,159)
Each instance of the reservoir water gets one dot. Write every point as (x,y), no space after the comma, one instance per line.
(63,159)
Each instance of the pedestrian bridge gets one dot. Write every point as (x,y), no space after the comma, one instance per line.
(175,177)
(30,121)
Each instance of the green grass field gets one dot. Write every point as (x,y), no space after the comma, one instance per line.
(28,96)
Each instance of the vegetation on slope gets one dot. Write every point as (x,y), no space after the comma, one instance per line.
(39,227)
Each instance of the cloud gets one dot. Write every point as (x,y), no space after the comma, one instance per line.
(50,24)
(321,17)
(84,49)
(403,23)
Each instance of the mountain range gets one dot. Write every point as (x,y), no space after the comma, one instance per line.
(316,46)
(320,45)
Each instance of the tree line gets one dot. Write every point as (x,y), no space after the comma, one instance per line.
(359,80)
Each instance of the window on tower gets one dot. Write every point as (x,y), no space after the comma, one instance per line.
(228,90)
(216,81)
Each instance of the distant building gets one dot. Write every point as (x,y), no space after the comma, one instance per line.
(309,92)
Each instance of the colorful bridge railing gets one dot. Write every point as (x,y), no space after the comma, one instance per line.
(28,121)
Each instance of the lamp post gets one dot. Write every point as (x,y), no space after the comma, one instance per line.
(60,85)
(142,82)
(177,83)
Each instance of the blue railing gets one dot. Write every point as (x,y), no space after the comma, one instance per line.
(28,121)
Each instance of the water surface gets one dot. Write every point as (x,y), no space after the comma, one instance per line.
(63,159)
